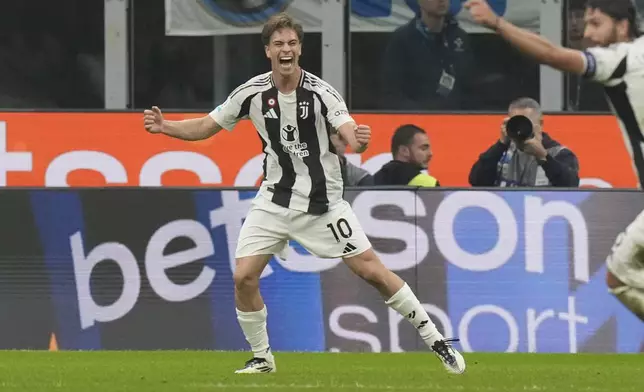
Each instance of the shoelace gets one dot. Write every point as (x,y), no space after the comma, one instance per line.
(442,347)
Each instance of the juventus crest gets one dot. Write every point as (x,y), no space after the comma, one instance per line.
(304,110)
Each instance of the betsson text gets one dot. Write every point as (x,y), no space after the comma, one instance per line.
(416,249)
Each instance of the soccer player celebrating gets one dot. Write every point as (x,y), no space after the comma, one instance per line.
(300,197)
(616,61)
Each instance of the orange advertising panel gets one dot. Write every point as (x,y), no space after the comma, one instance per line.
(99,149)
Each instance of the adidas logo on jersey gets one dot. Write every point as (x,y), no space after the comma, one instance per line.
(349,248)
(271,114)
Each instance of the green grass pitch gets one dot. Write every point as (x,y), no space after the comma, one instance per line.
(111,371)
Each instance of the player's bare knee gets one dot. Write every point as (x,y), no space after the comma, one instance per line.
(248,270)
(245,277)
(244,280)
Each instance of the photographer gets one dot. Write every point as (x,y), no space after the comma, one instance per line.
(525,155)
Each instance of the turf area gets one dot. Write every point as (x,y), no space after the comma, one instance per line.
(212,371)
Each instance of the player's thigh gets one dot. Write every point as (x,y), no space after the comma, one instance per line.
(334,234)
(626,259)
(264,231)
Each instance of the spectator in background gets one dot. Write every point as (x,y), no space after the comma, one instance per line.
(412,152)
(537,161)
(427,62)
(583,95)
(352,175)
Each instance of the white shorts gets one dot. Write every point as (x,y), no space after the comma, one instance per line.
(268,228)
(626,260)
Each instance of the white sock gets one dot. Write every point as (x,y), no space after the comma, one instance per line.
(254,326)
(407,305)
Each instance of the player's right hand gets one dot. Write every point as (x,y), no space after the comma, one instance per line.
(153,120)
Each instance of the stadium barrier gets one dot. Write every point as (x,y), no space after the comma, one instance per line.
(135,268)
(98,149)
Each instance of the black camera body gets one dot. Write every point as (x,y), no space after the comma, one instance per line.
(519,128)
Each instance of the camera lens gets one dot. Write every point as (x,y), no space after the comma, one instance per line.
(519,128)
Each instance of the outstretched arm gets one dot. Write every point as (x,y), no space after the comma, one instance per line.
(225,116)
(193,129)
(533,45)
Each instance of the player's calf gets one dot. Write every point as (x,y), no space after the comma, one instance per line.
(631,297)
(399,296)
(252,313)
(368,267)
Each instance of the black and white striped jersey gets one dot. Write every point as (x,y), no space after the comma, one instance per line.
(620,68)
(301,169)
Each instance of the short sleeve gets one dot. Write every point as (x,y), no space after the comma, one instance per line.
(337,114)
(605,64)
(228,114)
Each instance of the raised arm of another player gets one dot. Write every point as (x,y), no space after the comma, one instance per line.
(531,44)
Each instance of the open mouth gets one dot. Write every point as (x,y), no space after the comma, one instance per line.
(286,61)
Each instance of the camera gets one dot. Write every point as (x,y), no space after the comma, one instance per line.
(519,128)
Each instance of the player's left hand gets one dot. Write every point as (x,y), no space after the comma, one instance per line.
(363,134)
(482,13)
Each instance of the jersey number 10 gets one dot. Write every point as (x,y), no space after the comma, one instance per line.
(342,227)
